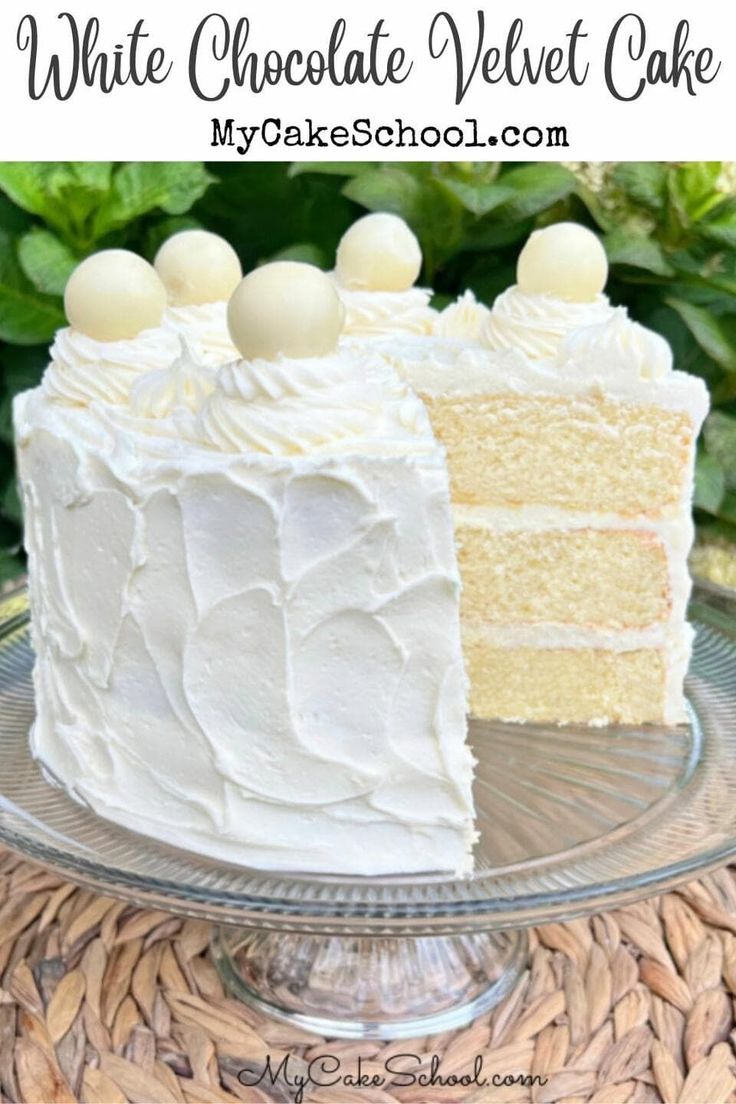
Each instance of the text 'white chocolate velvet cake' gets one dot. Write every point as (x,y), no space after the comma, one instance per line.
(244,590)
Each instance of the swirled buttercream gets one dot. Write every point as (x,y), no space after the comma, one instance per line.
(204,327)
(83,369)
(463,319)
(386,312)
(338,403)
(185,383)
(537,324)
(616,347)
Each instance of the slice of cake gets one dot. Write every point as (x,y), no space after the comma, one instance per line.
(571,445)
(245,601)
(200,271)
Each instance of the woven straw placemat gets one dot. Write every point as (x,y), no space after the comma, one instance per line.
(102,1002)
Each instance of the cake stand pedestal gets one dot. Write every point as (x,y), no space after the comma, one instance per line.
(572,821)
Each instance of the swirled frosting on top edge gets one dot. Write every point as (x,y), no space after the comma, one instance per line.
(386,312)
(345,402)
(184,384)
(463,319)
(83,369)
(618,359)
(204,327)
(535,325)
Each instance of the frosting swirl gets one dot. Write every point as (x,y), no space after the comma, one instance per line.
(83,369)
(184,384)
(386,312)
(204,326)
(617,346)
(464,318)
(335,403)
(537,324)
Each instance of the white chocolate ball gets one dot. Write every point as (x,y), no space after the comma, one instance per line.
(198,267)
(378,253)
(114,295)
(565,260)
(286,308)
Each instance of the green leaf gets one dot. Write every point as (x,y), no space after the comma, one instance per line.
(27,317)
(719,434)
(12,218)
(710,483)
(304,252)
(479,199)
(46,261)
(260,209)
(139,187)
(727,510)
(387,189)
(638,250)
(716,336)
(10,506)
(692,188)
(21,367)
(11,565)
(535,188)
(62,193)
(644,182)
(720,224)
(331,168)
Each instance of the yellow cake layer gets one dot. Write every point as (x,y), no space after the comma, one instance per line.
(607,578)
(582,453)
(566,686)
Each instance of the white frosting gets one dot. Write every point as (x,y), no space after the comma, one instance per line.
(536,324)
(254,657)
(83,369)
(626,375)
(371,313)
(204,327)
(463,319)
(184,384)
(617,347)
(338,403)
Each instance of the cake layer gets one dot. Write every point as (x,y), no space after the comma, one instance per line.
(609,578)
(568,685)
(583,453)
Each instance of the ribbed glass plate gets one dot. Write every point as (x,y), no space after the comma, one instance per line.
(571,819)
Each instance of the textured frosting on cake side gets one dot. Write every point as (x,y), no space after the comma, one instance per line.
(247,650)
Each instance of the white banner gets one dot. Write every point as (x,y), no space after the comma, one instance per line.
(283,80)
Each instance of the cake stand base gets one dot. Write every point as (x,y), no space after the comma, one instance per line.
(370,988)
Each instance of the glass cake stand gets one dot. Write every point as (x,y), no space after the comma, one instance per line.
(572,821)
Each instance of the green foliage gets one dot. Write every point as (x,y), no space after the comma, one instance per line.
(52,215)
(669,231)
